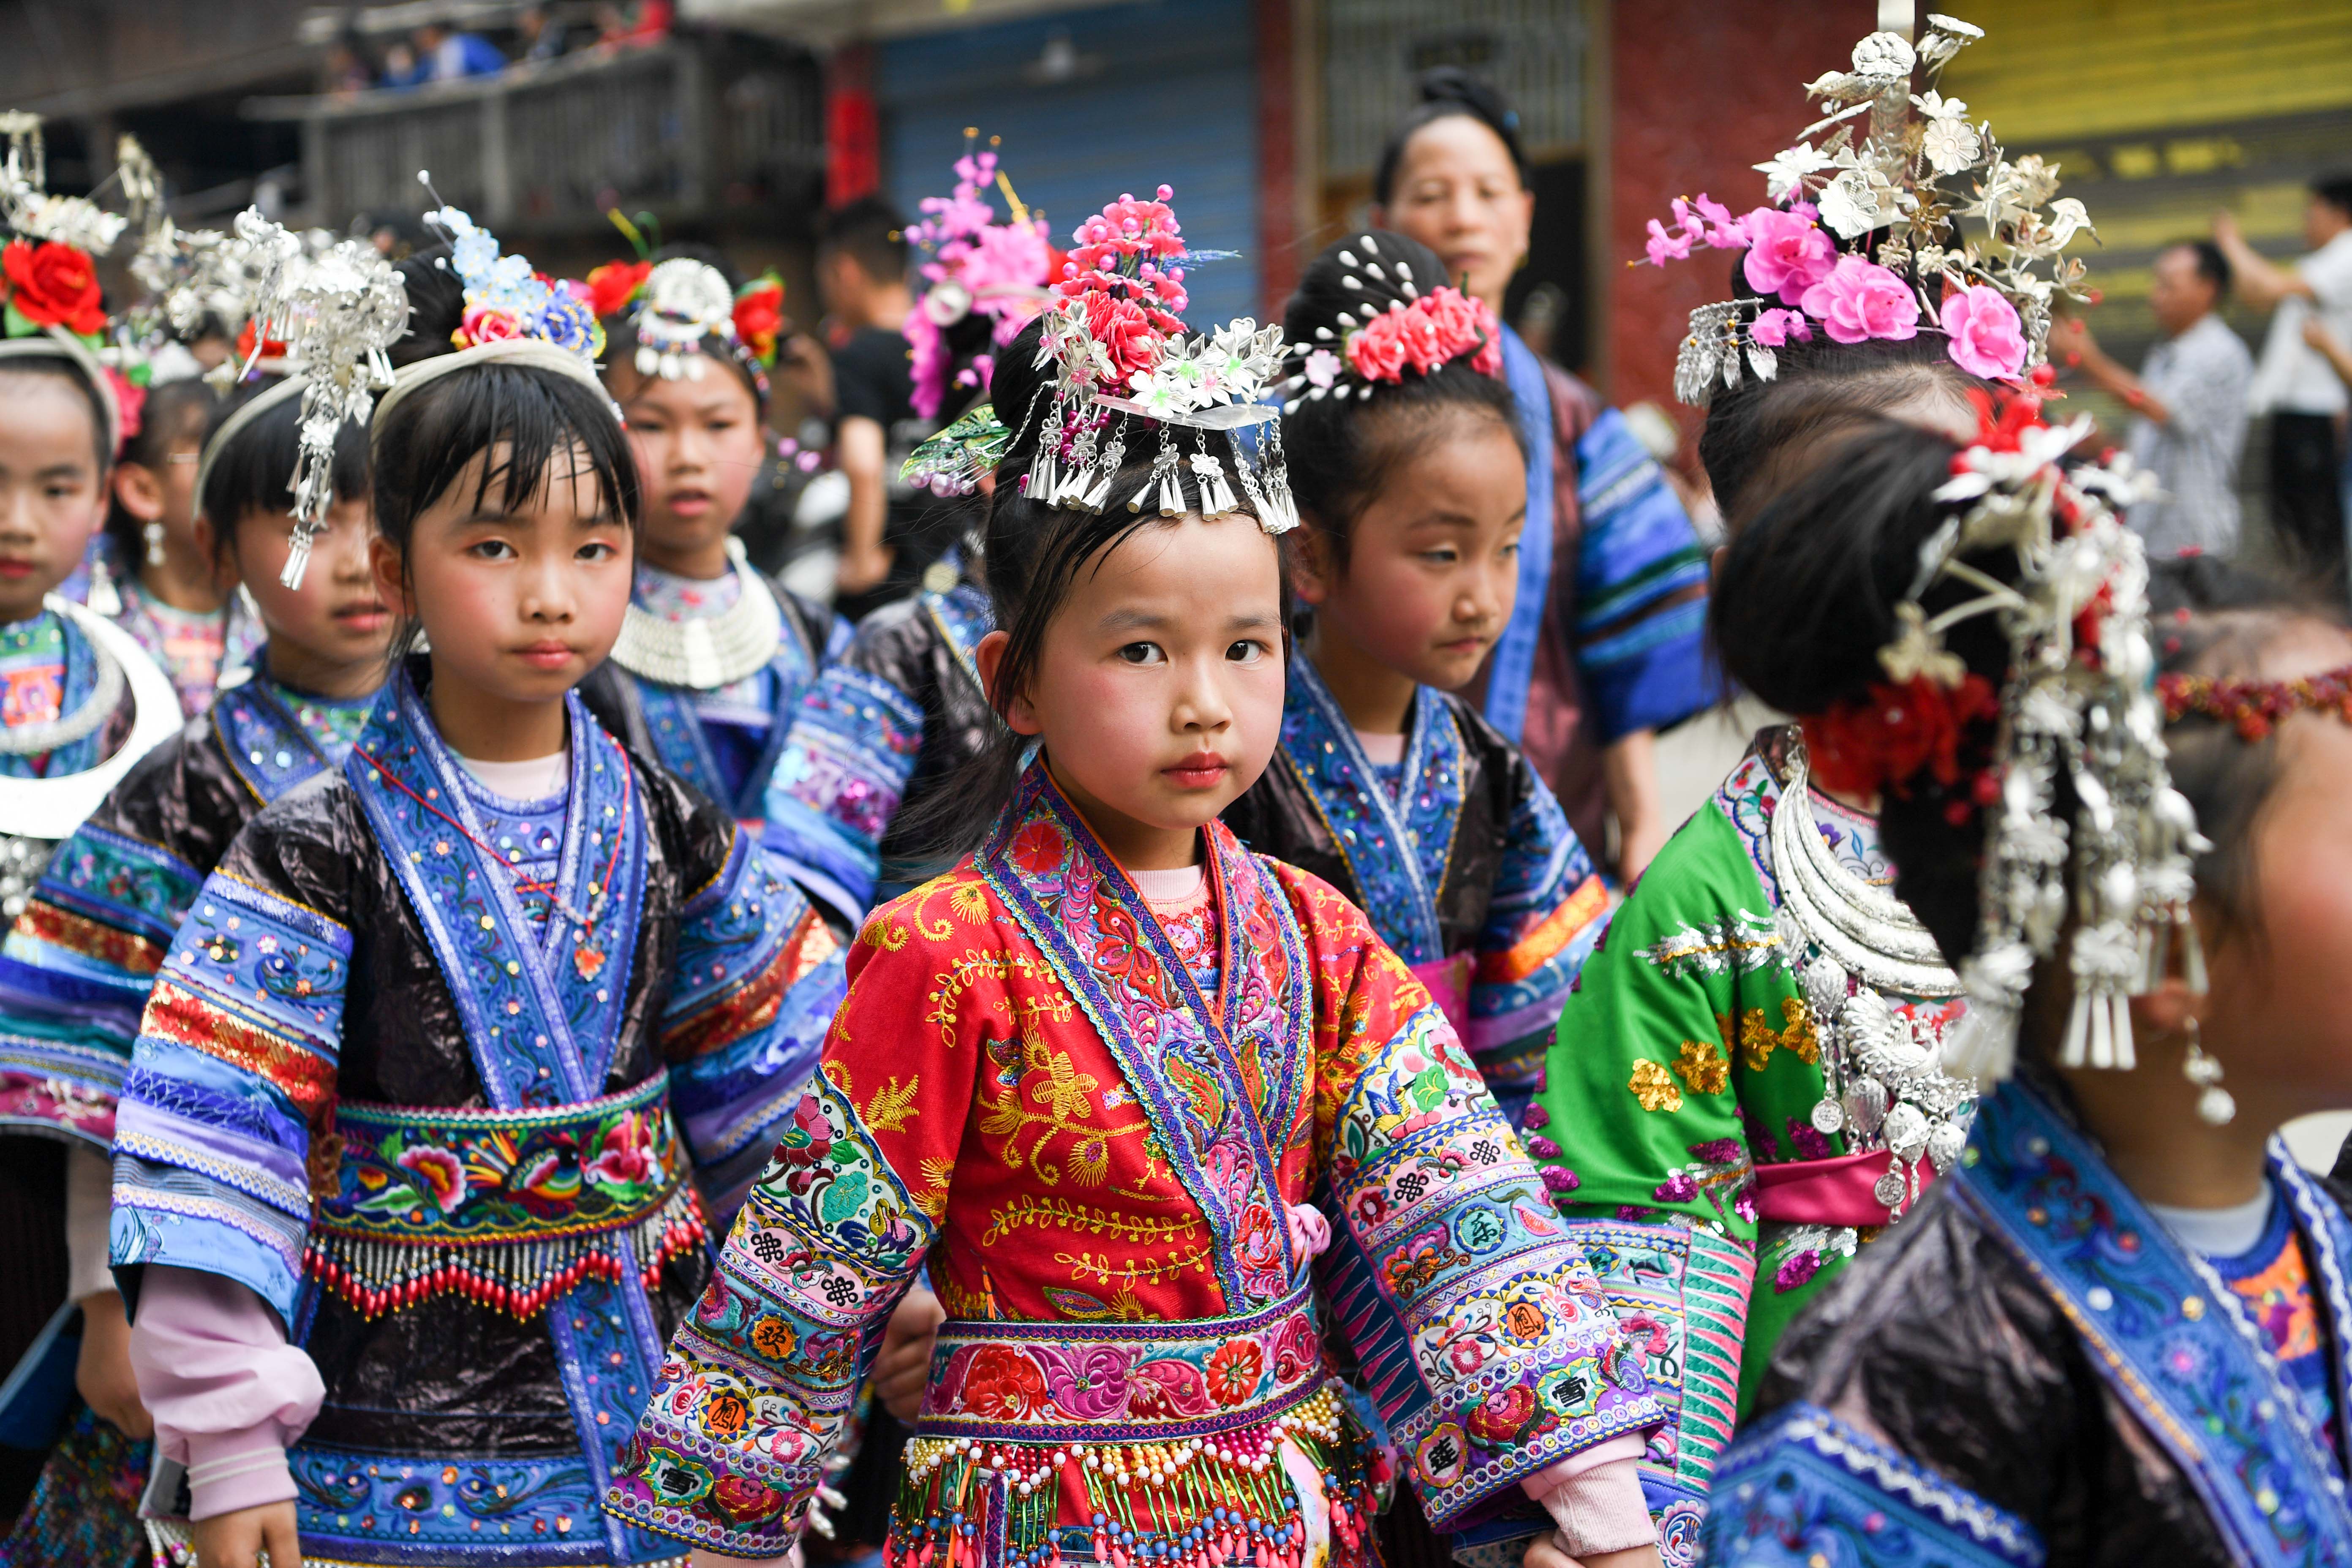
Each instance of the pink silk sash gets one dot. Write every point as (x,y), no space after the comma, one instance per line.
(1828,1191)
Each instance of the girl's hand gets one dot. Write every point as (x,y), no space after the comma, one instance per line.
(238,1540)
(2316,334)
(102,1375)
(904,1365)
(1544,1552)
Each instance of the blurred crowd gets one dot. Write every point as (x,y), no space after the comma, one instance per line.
(2198,389)
(442,51)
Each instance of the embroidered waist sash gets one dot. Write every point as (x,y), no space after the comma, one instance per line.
(1191,1444)
(510,1207)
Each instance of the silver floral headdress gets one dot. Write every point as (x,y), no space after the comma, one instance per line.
(1120,354)
(1979,266)
(32,211)
(681,303)
(336,314)
(2079,702)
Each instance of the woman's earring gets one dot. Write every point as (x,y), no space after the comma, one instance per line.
(2215,1106)
(154,533)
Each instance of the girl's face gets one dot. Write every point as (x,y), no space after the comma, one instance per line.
(165,493)
(329,636)
(1434,562)
(521,596)
(2274,1016)
(1158,689)
(52,491)
(699,443)
(1458,193)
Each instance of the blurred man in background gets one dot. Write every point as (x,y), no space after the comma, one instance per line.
(2295,385)
(861,272)
(2188,402)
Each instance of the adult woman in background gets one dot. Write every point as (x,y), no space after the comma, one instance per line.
(1605,646)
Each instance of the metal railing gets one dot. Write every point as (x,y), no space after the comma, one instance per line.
(694,127)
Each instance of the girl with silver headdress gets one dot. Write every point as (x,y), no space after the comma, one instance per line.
(80,703)
(2116,1329)
(1160,1117)
(1747,1085)
(714,656)
(81,959)
(461,1043)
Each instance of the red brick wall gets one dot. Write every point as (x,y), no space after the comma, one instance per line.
(1699,89)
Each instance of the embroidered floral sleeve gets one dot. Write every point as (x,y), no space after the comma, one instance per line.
(1480,1328)
(233,1075)
(75,973)
(1675,1064)
(1548,911)
(759,1381)
(759,975)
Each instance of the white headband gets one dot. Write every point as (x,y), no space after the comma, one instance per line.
(283,392)
(534,353)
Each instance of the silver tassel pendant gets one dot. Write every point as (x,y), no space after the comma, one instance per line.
(297,552)
(1216,495)
(1114,457)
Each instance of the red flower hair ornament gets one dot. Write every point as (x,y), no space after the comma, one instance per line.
(2042,549)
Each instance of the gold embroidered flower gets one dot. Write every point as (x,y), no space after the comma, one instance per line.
(1758,1040)
(1702,1067)
(1655,1086)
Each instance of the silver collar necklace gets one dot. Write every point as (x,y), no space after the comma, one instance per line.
(710,651)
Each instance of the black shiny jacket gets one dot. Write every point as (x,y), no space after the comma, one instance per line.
(904,644)
(445,1375)
(1938,1338)
(1277,816)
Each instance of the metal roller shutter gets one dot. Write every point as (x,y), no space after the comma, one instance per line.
(1154,93)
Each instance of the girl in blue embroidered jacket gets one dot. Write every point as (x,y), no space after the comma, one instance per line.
(2115,1333)
(458,1044)
(1407,457)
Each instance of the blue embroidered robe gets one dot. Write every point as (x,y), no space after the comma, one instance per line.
(1466,866)
(458,1150)
(725,761)
(79,961)
(902,708)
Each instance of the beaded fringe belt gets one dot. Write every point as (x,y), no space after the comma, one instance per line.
(1137,1445)
(508,1208)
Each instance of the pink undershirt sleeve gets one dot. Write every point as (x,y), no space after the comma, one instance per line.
(1595,1498)
(227,1391)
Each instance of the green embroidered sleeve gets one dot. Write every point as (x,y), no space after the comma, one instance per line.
(1686,1050)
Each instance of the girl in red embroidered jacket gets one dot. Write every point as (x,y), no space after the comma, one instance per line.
(1109,1075)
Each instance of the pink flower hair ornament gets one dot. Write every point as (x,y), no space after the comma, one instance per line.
(1125,367)
(975,264)
(1865,238)
(1415,330)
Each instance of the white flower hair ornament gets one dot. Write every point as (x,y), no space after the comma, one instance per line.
(1888,164)
(336,314)
(2078,701)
